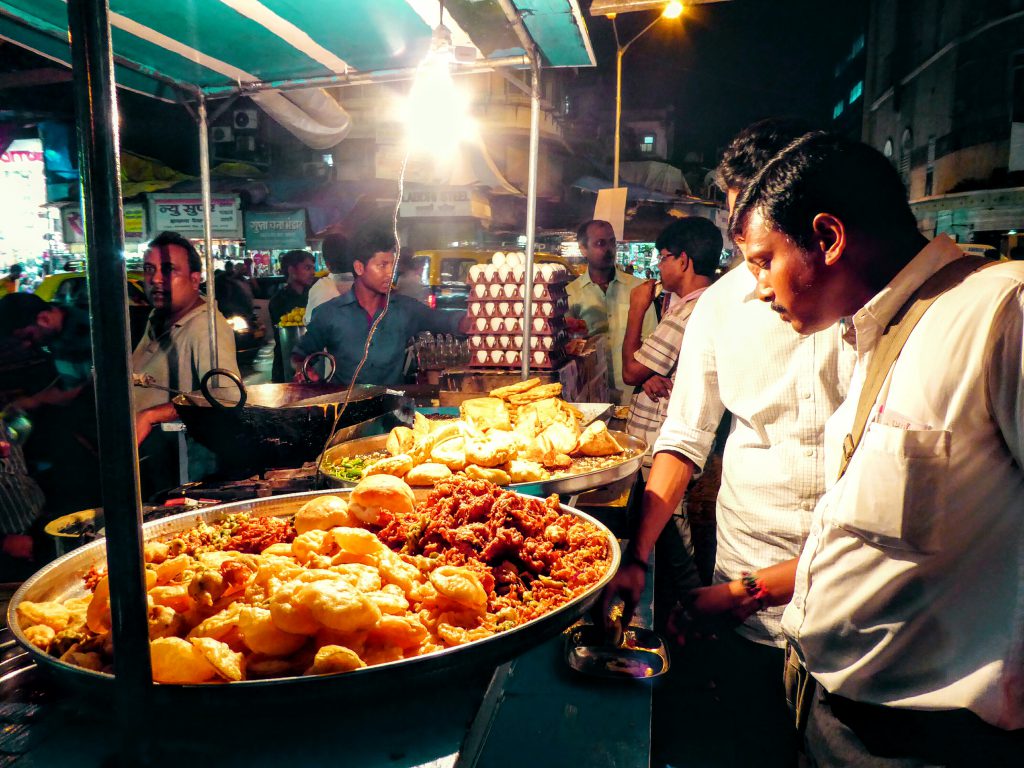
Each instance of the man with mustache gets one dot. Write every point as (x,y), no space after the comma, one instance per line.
(174,350)
(906,599)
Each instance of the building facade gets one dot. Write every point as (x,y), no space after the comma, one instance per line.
(944,100)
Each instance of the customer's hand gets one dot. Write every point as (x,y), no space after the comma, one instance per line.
(702,613)
(143,426)
(642,296)
(657,387)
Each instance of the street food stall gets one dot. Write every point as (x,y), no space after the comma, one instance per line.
(450,706)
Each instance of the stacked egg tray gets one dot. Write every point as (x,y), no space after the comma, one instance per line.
(496,307)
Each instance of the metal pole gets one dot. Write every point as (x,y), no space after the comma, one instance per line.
(618,112)
(97,122)
(204,183)
(531,212)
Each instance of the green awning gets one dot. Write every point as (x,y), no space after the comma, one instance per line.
(213,45)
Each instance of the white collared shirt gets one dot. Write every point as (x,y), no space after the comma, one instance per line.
(738,355)
(326,288)
(910,589)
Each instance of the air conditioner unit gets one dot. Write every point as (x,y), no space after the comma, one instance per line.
(220,134)
(246,119)
(245,144)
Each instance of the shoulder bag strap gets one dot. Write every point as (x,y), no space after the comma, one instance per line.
(895,336)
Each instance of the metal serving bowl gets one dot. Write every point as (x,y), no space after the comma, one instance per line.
(62,580)
(566,485)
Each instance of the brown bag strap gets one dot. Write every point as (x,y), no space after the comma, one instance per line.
(895,336)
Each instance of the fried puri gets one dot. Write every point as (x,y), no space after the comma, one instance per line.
(427,474)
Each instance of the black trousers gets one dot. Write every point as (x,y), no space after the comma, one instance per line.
(841,732)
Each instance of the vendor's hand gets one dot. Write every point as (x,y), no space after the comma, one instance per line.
(17,545)
(657,387)
(310,375)
(642,296)
(627,584)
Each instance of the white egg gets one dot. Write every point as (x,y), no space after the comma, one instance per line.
(498,259)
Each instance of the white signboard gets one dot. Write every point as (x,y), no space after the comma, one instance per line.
(443,202)
(183,213)
(23,220)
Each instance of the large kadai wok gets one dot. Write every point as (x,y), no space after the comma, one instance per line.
(62,580)
(269,426)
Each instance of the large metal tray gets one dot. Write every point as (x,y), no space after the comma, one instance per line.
(62,579)
(565,485)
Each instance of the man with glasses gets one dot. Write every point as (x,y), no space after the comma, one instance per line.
(600,298)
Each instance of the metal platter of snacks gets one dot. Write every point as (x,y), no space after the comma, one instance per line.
(522,436)
(317,515)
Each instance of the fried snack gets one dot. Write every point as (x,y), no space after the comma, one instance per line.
(561,437)
(596,440)
(514,389)
(420,424)
(522,471)
(400,440)
(383,491)
(427,474)
(229,665)
(178,661)
(486,413)
(490,474)
(392,465)
(443,430)
(334,658)
(322,513)
(539,392)
(451,453)
(498,447)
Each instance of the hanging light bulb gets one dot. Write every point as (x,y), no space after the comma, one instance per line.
(437,110)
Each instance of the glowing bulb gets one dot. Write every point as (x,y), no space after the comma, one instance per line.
(673,10)
(437,111)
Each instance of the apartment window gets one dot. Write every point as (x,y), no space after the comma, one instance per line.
(647,144)
(858,46)
(887,150)
(566,105)
(856,91)
(837,110)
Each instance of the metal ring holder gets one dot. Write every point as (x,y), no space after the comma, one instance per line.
(204,387)
(315,355)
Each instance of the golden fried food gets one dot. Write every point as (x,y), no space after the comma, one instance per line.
(514,389)
(522,471)
(596,440)
(322,513)
(496,448)
(490,474)
(539,392)
(451,453)
(427,474)
(486,413)
(561,437)
(392,465)
(331,601)
(400,440)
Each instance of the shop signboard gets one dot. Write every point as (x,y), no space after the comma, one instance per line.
(23,222)
(453,202)
(134,224)
(183,213)
(275,230)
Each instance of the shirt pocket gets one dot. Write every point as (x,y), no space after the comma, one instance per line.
(895,488)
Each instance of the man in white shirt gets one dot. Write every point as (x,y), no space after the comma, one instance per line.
(780,388)
(340,279)
(600,297)
(908,598)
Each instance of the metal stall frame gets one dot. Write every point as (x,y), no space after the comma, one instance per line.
(93,64)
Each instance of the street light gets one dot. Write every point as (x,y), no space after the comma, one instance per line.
(671,10)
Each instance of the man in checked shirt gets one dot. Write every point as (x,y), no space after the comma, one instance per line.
(688,252)
(780,388)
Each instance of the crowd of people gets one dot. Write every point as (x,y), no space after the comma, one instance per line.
(867,602)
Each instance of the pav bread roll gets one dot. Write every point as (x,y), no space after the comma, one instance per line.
(596,440)
(400,441)
(378,492)
(391,465)
(490,474)
(322,514)
(427,474)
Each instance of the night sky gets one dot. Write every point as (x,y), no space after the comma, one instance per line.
(724,65)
